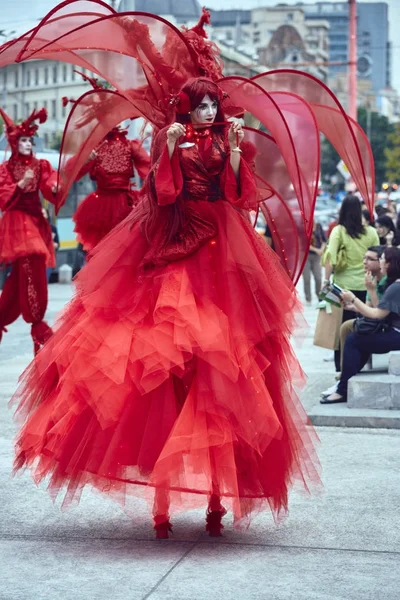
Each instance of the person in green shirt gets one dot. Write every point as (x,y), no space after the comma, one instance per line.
(347,246)
(375,282)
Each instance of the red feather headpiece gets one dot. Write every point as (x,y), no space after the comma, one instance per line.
(27,128)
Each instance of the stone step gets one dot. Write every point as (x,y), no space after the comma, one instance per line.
(373,391)
(340,415)
(394,363)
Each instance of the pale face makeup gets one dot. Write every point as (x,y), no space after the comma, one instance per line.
(205,112)
(25,146)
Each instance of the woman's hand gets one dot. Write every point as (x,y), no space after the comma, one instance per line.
(174,132)
(235,135)
(26,179)
(347,297)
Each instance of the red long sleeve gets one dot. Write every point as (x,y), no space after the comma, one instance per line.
(48,179)
(141,159)
(9,191)
(242,192)
(168,178)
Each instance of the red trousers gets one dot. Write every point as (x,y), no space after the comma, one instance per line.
(25,293)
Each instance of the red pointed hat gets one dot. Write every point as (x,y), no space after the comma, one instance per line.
(27,128)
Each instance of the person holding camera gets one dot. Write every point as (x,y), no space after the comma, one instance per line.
(379,333)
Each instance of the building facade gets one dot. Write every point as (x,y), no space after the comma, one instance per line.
(275,36)
(373,46)
(40,83)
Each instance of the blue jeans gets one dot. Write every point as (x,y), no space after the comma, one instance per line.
(358,348)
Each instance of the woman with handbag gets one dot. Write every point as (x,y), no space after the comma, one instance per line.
(377,331)
(344,255)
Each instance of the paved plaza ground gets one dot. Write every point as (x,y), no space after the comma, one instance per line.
(341,545)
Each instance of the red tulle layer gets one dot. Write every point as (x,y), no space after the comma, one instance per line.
(100,212)
(179,378)
(23,235)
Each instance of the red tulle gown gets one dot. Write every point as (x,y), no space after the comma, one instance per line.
(112,169)
(171,370)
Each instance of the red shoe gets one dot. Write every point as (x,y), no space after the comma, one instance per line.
(213,521)
(162,529)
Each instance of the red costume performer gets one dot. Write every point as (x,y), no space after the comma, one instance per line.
(112,167)
(25,234)
(172,370)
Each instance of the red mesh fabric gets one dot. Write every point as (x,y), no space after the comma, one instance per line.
(295,162)
(345,135)
(89,121)
(142,385)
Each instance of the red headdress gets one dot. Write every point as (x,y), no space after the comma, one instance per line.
(27,128)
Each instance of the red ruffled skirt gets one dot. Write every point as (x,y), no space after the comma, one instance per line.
(179,378)
(100,212)
(23,235)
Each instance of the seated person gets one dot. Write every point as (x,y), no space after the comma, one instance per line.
(358,347)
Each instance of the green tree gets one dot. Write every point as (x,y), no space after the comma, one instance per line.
(329,160)
(392,154)
(56,143)
(380,131)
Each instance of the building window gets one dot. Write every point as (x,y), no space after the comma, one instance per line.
(28,79)
(35,106)
(65,73)
(46,139)
(53,109)
(36,76)
(16,79)
(55,73)
(256,37)
(45,104)
(289,17)
(15,112)
(73,74)
(46,75)
(64,111)
(26,108)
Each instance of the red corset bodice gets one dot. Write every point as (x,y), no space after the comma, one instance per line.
(114,166)
(201,169)
(28,200)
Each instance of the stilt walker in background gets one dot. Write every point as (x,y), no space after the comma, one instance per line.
(112,166)
(25,235)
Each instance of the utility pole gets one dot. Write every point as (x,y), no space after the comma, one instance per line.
(352,71)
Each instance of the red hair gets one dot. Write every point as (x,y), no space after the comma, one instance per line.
(195,90)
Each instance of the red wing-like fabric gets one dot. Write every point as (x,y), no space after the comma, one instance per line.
(143,56)
(345,135)
(90,119)
(292,156)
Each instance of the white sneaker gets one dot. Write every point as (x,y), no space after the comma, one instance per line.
(330,390)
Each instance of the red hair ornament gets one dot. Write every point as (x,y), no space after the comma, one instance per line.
(181,102)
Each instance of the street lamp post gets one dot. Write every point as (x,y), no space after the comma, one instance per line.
(352,72)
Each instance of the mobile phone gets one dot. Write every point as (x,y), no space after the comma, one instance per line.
(338,291)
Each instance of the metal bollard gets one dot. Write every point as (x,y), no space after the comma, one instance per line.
(65,274)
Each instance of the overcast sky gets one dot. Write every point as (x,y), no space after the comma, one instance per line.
(19,14)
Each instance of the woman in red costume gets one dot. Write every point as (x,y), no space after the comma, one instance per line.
(112,167)
(172,371)
(25,235)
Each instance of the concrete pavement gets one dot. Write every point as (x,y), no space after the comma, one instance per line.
(341,545)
